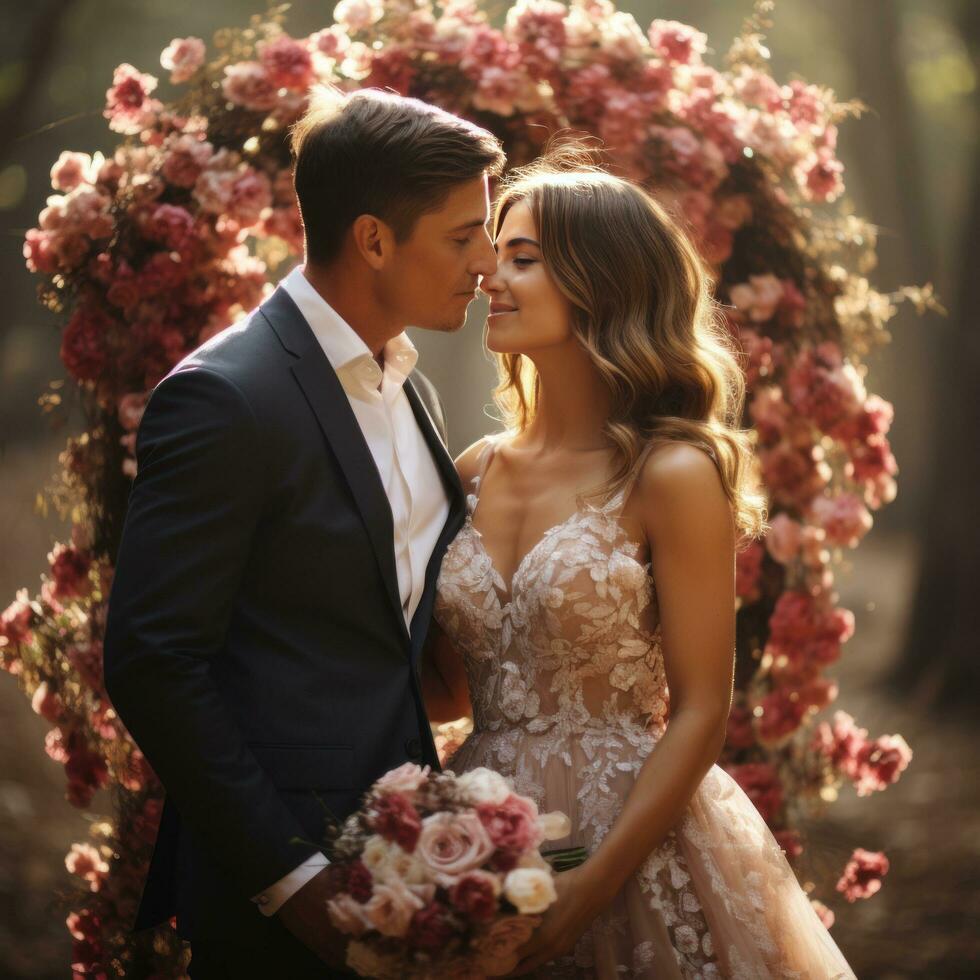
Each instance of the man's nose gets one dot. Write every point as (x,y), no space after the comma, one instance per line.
(485,263)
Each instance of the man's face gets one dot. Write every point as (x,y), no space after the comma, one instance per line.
(433,275)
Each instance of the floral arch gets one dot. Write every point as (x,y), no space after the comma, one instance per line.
(150,251)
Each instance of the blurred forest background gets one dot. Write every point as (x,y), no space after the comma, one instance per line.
(912,168)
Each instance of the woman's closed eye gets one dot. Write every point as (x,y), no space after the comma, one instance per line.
(521,262)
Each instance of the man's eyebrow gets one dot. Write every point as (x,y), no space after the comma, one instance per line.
(514,242)
(476,223)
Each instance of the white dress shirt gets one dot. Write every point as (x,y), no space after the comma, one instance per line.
(419,503)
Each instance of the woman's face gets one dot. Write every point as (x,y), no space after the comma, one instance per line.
(527,310)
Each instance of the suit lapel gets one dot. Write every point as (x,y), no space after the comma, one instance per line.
(328,400)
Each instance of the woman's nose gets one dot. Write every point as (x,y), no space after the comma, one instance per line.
(490,283)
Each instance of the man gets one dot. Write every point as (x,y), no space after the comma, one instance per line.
(285,529)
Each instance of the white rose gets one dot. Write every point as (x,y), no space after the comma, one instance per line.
(530,890)
(554,825)
(483,785)
(387,861)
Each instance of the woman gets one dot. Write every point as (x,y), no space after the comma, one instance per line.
(595,571)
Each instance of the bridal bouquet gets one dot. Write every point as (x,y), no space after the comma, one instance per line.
(440,875)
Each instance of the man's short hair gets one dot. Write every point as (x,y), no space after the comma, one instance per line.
(374,152)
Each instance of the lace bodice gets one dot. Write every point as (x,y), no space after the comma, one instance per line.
(573,642)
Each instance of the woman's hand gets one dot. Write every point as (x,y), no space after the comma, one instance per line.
(563,923)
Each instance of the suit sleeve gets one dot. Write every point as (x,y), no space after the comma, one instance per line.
(193,509)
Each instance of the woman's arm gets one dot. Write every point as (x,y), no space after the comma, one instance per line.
(688,524)
(444,686)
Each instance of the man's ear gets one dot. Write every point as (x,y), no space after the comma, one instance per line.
(374,240)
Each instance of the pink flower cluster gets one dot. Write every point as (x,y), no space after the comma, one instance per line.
(448,865)
(871,765)
(862,875)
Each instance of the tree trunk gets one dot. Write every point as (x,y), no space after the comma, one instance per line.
(940,664)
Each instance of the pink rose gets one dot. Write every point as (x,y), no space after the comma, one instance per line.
(356,15)
(862,875)
(453,843)
(170,225)
(287,62)
(15,622)
(185,158)
(677,42)
(70,170)
(512,825)
(47,703)
(780,715)
(85,861)
(783,540)
(251,193)
(182,58)
(331,42)
(844,517)
(820,175)
(129,107)
(248,84)
(880,763)
(407,778)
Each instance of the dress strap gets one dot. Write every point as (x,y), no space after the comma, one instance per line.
(483,464)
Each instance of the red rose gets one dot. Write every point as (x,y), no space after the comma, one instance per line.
(360,882)
(475,896)
(82,345)
(69,568)
(430,927)
(760,782)
(394,818)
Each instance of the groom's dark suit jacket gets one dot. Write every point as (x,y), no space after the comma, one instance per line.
(256,647)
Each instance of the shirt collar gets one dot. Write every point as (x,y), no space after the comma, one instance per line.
(347,353)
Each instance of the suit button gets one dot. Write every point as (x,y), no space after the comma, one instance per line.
(413,746)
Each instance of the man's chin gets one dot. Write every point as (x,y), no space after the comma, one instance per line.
(445,326)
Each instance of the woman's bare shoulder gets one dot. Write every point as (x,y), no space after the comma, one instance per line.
(469,460)
(679,485)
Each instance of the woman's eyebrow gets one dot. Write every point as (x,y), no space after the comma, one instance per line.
(519,241)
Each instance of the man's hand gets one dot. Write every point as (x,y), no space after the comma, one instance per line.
(562,924)
(304,914)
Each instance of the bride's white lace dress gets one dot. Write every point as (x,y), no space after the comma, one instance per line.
(569,697)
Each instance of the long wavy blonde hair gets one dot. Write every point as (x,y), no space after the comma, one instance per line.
(642,310)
